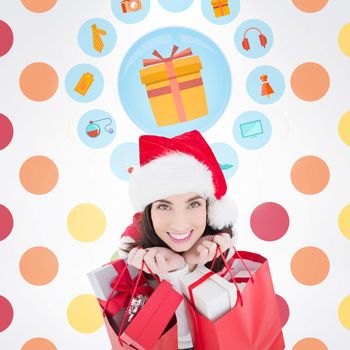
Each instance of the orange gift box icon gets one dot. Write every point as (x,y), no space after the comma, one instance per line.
(220,7)
(174,87)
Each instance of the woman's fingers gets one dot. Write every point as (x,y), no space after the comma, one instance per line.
(223,240)
(132,253)
(149,259)
(211,246)
(137,257)
(161,263)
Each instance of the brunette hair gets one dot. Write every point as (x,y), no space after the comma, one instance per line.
(150,239)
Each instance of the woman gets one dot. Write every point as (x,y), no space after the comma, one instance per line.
(179,190)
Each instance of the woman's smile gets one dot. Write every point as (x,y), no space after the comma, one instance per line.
(180,238)
(179,220)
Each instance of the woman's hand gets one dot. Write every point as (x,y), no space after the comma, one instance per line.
(159,259)
(204,249)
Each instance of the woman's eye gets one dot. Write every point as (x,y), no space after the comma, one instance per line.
(162,206)
(195,204)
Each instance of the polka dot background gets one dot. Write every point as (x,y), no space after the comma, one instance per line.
(63,207)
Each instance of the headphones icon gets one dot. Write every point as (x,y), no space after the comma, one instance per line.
(262,38)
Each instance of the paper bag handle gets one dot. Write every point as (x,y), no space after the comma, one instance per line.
(225,261)
(132,294)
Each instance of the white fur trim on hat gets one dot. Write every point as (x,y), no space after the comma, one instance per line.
(169,175)
(223,212)
(178,173)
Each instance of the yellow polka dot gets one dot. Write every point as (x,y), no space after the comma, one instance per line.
(344,312)
(344,39)
(344,128)
(344,221)
(84,314)
(86,222)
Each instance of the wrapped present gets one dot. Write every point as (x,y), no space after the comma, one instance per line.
(149,324)
(214,297)
(174,87)
(103,280)
(254,322)
(239,271)
(220,7)
(136,315)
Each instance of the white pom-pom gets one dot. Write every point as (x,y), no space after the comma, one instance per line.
(223,212)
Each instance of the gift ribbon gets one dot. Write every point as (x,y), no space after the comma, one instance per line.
(220,6)
(169,67)
(123,285)
(182,86)
(133,294)
(209,274)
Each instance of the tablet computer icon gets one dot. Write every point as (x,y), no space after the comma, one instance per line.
(251,129)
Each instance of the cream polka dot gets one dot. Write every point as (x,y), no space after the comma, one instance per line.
(344,39)
(344,221)
(86,222)
(344,312)
(84,314)
(344,128)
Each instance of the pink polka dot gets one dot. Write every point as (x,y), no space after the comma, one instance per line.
(6,222)
(6,130)
(283,309)
(269,221)
(6,36)
(6,313)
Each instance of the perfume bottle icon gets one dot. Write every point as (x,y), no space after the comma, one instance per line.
(93,129)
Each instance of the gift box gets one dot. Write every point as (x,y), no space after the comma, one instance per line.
(152,326)
(254,322)
(148,325)
(220,7)
(102,280)
(214,297)
(174,87)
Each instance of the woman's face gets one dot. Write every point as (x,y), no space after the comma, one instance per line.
(179,220)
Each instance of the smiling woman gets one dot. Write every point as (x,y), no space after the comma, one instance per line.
(184,215)
(179,220)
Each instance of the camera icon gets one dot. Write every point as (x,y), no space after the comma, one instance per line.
(131,5)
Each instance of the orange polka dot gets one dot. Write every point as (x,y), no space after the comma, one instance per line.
(310,81)
(38,175)
(38,265)
(310,344)
(310,266)
(38,81)
(38,344)
(310,175)
(310,5)
(39,5)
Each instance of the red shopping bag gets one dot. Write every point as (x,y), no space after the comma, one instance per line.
(154,326)
(254,322)
(168,339)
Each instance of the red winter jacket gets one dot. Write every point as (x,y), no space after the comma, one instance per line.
(131,234)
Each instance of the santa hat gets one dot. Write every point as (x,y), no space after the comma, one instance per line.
(184,163)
